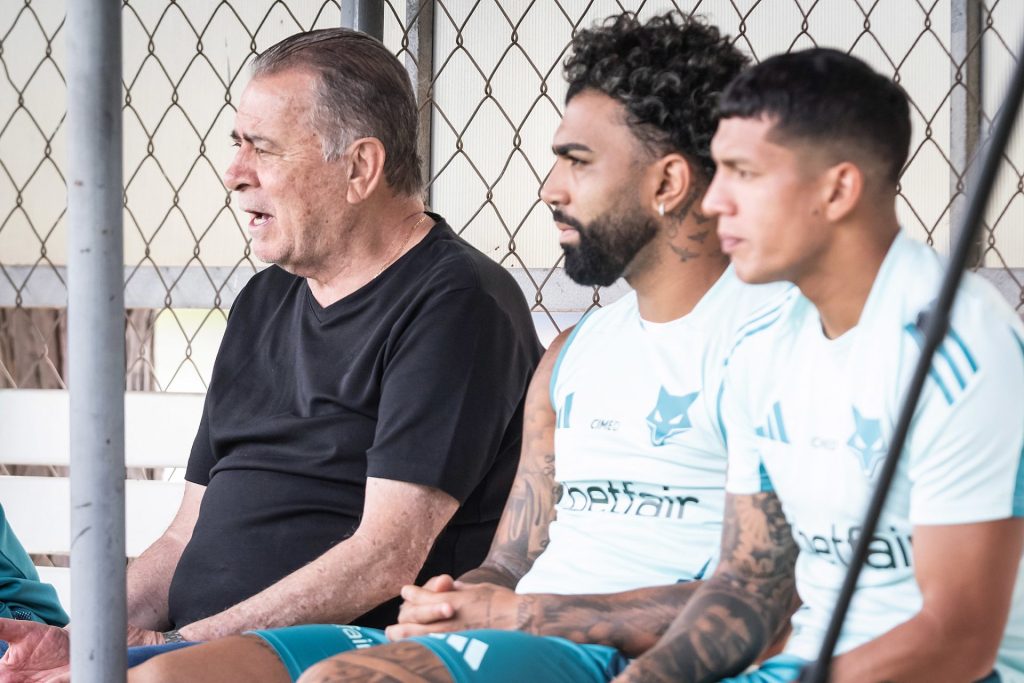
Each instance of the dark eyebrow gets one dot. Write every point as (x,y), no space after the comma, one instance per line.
(251,139)
(562,150)
(730,162)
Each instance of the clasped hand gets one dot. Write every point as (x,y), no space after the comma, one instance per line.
(38,653)
(443,604)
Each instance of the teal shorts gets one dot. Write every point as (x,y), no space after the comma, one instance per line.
(470,656)
(780,669)
(786,668)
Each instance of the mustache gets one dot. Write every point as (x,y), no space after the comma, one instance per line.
(565,219)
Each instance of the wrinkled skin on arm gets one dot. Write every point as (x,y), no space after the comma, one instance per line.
(149,575)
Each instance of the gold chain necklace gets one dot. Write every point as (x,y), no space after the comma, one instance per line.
(398,252)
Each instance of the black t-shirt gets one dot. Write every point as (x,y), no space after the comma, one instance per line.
(419,376)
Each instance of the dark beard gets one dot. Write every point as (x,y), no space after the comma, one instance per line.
(607,245)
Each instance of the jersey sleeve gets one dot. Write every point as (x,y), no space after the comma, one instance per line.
(453,381)
(966,441)
(746,472)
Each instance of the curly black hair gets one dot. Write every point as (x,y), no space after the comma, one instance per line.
(830,98)
(667,73)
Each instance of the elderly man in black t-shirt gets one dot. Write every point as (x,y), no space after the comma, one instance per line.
(363,421)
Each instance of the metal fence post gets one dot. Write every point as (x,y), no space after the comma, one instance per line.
(419,62)
(96,343)
(965,111)
(364,15)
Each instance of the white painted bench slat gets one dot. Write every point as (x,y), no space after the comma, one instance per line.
(159,427)
(149,508)
(34,430)
(59,578)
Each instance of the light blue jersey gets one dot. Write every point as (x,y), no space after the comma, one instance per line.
(812,418)
(639,453)
(641,461)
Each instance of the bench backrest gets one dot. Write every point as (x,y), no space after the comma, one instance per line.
(34,430)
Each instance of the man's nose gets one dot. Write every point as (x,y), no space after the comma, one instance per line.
(239,173)
(553,192)
(715,201)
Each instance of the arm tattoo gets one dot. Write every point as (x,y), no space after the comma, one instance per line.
(522,533)
(736,613)
(401,662)
(631,622)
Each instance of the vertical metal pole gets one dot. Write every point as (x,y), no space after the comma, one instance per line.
(96,341)
(364,15)
(965,112)
(420,65)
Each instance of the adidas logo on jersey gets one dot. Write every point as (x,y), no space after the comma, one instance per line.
(953,365)
(565,412)
(774,427)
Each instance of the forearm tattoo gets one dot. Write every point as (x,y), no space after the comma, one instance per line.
(631,622)
(737,612)
(522,534)
(402,662)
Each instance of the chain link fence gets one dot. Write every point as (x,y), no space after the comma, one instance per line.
(490,90)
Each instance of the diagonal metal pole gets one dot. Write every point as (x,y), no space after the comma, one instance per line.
(96,360)
(935,324)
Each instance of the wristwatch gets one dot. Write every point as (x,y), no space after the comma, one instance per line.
(173,636)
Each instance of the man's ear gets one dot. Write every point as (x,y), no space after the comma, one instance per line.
(674,179)
(365,168)
(842,191)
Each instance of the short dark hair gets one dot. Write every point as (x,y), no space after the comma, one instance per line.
(829,98)
(667,74)
(362,91)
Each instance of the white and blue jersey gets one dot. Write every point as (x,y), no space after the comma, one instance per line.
(811,419)
(639,453)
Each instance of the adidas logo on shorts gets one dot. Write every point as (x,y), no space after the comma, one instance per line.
(471,649)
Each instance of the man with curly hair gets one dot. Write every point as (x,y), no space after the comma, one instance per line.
(624,405)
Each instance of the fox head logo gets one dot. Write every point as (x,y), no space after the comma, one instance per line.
(866,442)
(670,416)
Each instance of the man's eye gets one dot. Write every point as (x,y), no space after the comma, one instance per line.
(573,161)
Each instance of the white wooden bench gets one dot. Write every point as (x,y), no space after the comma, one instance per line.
(34,430)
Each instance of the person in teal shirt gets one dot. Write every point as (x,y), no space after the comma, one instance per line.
(22,595)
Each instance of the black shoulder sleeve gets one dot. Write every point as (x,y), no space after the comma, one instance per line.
(451,386)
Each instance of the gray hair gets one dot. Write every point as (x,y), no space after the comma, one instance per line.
(362,90)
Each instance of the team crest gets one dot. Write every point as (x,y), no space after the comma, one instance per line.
(866,442)
(670,416)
